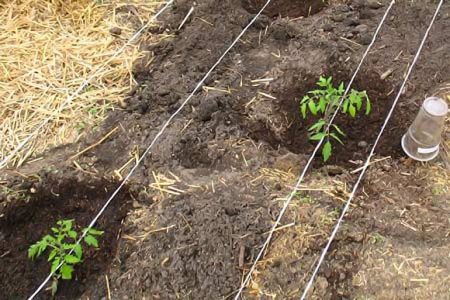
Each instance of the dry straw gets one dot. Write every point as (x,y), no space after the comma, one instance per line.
(47,49)
(443,91)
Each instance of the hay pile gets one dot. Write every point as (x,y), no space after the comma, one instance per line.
(47,49)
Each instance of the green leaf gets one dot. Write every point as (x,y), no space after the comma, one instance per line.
(67,225)
(368,106)
(317,126)
(80,126)
(49,239)
(42,246)
(312,107)
(330,91)
(33,250)
(305,99)
(91,241)
(317,136)
(316,93)
(93,111)
(341,88)
(95,231)
(52,254)
(71,259)
(333,135)
(303,110)
(329,80)
(66,272)
(322,104)
(68,246)
(358,101)
(78,251)
(335,100)
(60,237)
(72,234)
(55,264)
(345,106)
(322,81)
(352,110)
(338,130)
(326,151)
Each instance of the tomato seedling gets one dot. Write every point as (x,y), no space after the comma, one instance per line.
(63,249)
(324,101)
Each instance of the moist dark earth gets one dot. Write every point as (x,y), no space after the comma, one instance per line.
(196,212)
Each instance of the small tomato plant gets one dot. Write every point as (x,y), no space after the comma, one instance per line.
(323,102)
(63,249)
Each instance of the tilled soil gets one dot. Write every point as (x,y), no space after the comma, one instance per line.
(205,197)
(54,197)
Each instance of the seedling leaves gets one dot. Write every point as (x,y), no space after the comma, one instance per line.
(326,100)
(326,151)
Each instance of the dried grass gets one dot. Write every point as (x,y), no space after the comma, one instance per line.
(443,91)
(47,49)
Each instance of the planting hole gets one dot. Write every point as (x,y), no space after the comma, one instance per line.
(25,222)
(360,131)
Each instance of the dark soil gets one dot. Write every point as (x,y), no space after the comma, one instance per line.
(285,8)
(194,258)
(198,244)
(27,220)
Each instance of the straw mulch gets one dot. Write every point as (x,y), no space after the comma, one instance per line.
(47,49)
(443,91)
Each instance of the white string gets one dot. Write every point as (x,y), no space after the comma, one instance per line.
(163,128)
(186,18)
(82,86)
(311,158)
(367,163)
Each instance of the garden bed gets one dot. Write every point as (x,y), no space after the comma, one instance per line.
(205,197)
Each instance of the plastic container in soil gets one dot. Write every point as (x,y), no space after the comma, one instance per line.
(421,141)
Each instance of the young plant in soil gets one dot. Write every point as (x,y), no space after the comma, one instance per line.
(63,248)
(323,102)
